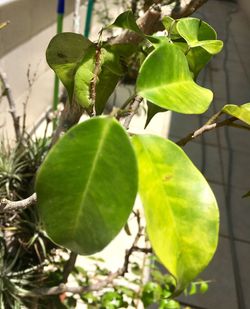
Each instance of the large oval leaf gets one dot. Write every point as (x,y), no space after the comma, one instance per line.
(181,211)
(64,54)
(87,185)
(165,79)
(242,112)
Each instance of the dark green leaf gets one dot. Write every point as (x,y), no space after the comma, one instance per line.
(181,211)
(247,194)
(64,54)
(153,110)
(126,20)
(85,191)
(242,112)
(165,80)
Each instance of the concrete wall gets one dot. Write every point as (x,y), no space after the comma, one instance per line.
(245,4)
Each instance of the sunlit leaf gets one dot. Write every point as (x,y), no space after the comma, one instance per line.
(199,33)
(85,191)
(165,80)
(242,112)
(180,208)
(64,53)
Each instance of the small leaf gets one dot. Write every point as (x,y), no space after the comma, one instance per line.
(151,293)
(170,25)
(199,33)
(85,191)
(181,211)
(203,287)
(64,53)
(3,24)
(152,110)
(126,20)
(242,112)
(165,80)
(246,195)
(193,289)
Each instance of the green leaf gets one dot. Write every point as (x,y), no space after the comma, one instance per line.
(64,53)
(170,25)
(165,80)
(151,293)
(152,110)
(181,211)
(126,20)
(197,59)
(85,191)
(241,112)
(246,194)
(199,33)
(203,287)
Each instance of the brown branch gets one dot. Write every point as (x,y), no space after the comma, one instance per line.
(134,108)
(205,128)
(100,284)
(189,9)
(12,104)
(10,206)
(69,265)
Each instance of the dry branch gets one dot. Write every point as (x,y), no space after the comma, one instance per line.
(12,104)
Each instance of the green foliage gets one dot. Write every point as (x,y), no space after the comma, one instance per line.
(82,214)
(64,54)
(170,85)
(182,216)
(126,20)
(242,112)
(87,184)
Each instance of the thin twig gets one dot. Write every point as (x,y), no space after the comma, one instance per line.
(12,104)
(10,206)
(100,284)
(69,265)
(205,128)
(134,108)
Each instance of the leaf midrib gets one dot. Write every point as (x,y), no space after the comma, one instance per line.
(147,152)
(91,175)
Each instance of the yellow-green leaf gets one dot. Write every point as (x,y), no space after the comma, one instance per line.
(242,112)
(165,80)
(181,212)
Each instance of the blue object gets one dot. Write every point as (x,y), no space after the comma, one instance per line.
(60,6)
